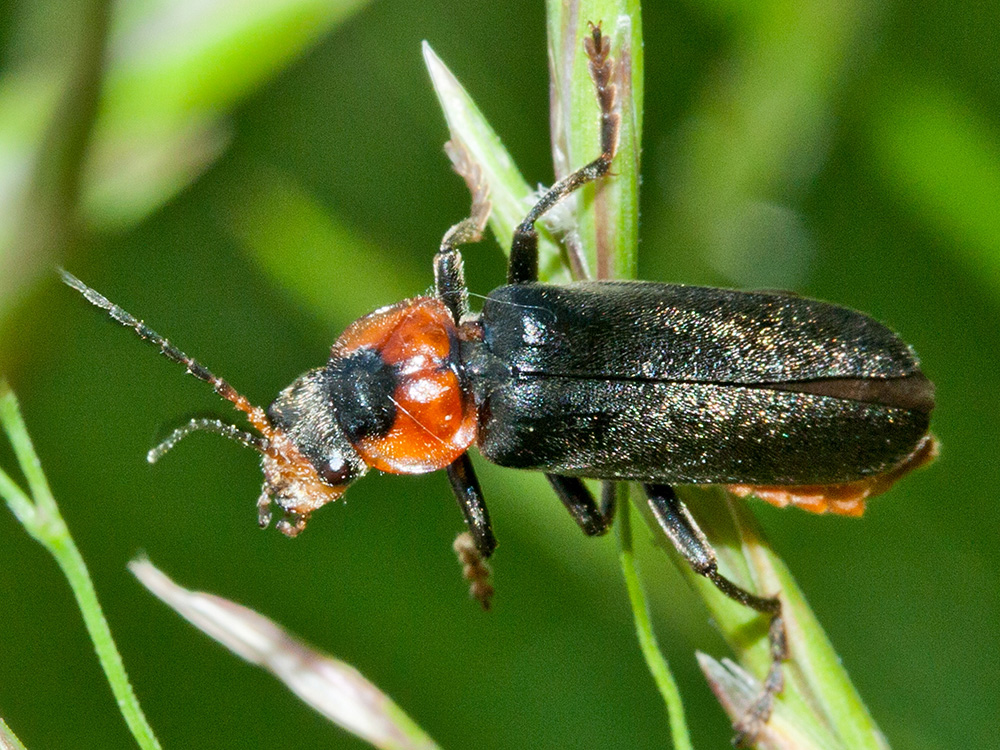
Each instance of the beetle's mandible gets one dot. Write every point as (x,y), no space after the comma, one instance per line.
(788,399)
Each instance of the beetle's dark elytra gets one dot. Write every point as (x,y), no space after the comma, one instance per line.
(679,384)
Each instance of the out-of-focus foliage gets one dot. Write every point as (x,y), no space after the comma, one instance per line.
(846,150)
(168,70)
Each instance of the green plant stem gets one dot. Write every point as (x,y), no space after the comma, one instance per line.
(40,516)
(655,660)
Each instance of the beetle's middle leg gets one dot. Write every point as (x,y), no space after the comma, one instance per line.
(689,540)
(523,265)
(580,503)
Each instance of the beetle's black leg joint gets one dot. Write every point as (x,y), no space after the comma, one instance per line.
(689,540)
(523,266)
(449,278)
(580,504)
(470,499)
(609,499)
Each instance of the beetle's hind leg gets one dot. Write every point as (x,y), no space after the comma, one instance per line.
(523,266)
(682,530)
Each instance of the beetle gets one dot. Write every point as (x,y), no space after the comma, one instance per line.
(789,399)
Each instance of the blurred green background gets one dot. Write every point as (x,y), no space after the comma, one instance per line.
(254,176)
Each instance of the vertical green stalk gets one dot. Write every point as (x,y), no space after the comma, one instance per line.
(655,660)
(605,237)
(40,516)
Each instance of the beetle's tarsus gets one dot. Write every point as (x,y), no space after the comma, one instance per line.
(474,569)
(264,508)
(756,716)
(602,68)
(293,523)
(523,264)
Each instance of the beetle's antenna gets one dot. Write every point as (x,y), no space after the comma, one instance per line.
(216,426)
(255,414)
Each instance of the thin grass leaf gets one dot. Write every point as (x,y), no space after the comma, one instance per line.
(335,689)
(655,660)
(510,193)
(40,517)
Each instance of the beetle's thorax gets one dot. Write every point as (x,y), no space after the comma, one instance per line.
(397,389)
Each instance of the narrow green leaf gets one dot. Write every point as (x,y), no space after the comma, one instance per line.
(44,522)
(655,660)
(510,194)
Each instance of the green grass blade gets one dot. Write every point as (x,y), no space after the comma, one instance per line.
(40,517)
(655,660)
(510,194)
(605,234)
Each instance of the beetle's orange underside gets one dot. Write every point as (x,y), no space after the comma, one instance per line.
(846,499)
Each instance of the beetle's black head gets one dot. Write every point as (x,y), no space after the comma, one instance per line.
(307,413)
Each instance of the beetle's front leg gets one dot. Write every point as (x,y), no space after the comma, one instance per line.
(470,499)
(474,546)
(449,278)
(523,265)
(689,540)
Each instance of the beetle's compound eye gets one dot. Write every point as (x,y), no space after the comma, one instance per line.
(335,471)
(305,415)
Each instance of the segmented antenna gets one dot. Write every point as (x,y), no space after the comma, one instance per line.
(216,426)
(255,414)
